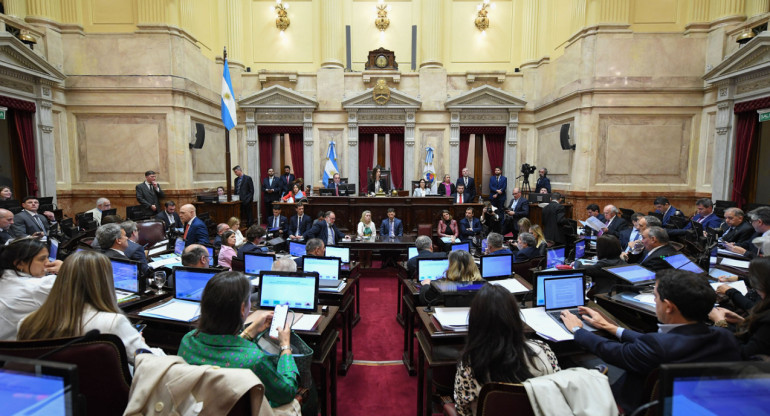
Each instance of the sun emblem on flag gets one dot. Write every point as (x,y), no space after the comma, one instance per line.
(227,96)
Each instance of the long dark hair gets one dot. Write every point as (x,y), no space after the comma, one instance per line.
(221,303)
(759,277)
(22,250)
(608,247)
(496,349)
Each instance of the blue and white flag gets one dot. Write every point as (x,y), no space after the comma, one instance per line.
(330,168)
(228,101)
(428,172)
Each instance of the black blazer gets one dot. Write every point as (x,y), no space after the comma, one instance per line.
(275,186)
(521,209)
(554,222)
(441,189)
(618,224)
(304,225)
(319,230)
(739,234)
(282,224)
(246,190)
(654,262)
(286,185)
(112,254)
(466,198)
(543,182)
(526,254)
(164,217)
(470,188)
(383,185)
(147,197)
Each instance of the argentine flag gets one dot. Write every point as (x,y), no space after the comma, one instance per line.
(330,168)
(429,173)
(228,100)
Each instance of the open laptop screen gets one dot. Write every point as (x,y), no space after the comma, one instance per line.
(189,282)
(681,262)
(296,249)
(633,273)
(298,290)
(342,252)
(564,292)
(33,387)
(496,266)
(326,267)
(211,255)
(432,269)
(461,246)
(53,248)
(125,275)
(580,249)
(255,263)
(544,275)
(555,257)
(179,246)
(413,252)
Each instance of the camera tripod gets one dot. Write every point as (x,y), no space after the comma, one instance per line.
(525,188)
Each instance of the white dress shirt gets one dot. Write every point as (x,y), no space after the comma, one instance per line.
(20,295)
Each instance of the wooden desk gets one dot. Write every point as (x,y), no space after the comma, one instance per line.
(346,301)
(639,317)
(143,300)
(220,211)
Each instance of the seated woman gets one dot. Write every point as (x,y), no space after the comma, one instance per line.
(524,225)
(235,225)
(753,332)
(462,268)
(367,230)
(295,194)
(227,251)
(608,251)
(220,191)
(24,286)
(542,244)
(5,193)
(83,299)
(447,228)
(421,190)
(496,349)
(377,183)
(219,340)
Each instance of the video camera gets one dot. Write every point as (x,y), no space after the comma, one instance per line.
(527,169)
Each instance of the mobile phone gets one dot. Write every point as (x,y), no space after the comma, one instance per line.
(279,320)
(140,327)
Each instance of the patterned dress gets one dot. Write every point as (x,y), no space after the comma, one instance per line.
(232,351)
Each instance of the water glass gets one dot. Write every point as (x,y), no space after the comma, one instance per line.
(589,283)
(160,280)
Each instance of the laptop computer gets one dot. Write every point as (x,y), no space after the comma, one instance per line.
(125,276)
(431,269)
(566,292)
(496,266)
(555,257)
(37,387)
(633,274)
(189,282)
(681,262)
(461,246)
(413,252)
(212,258)
(296,249)
(328,269)
(342,252)
(299,290)
(542,275)
(179,246)
(256,262)
(580,249)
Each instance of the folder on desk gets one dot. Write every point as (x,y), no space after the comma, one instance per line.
(175,310)
(452,319)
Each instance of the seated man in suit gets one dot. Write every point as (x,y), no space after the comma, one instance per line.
(469,226)
(554,220)
(704,216)
(113,240)
(662,206)
(468,183)
(314,247)
(335,183)
(299,223)
(738,230)
(592,210)
(424,246)
(254,242)
(6,231)
(495,244)
(655,242)
(148,193)
(392,226)
(29,222)
(445,188)
(461,196)
(195,255)
(221,228)
(325,230)
(277,221)
(169,216)
(631,234)
(101,205)
(682,303)
(133,250)
(195,231)
(760,220)
(527,244)
(614,223)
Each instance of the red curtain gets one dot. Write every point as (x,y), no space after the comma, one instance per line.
(365,155)
(745,145)
(23,121)
(465,142)
(265,154)
(495,146)
(397,160)
(296,147)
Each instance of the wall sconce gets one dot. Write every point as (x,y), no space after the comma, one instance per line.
(282,21)
(382,22)
(482,21)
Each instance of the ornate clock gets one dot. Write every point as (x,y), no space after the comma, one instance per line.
(381,59)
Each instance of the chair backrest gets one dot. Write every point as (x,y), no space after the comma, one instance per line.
(103,371)
(425,229)
(238,264)
(502,399)
(150,232)
(137,212)
(524,268)
(651,392)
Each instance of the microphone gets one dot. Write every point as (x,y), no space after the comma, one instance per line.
(88,336)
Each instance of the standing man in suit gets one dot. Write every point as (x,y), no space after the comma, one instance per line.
(497,188)
(446,187)
(277,221)
(28,221)
(392,226)
(299,223)
(469,226)
(683,301)
(656,246)
(244,187)
(195,231)
(516,210)
(6,221)
(554,220)
(738,230)
(614,223)
(461,196)
(662,206)
(102,204)
(149,194)
(287,180)
(325,230)
(468,183)
(113,240)
(544,183)
(169,216)
(424,251)
(271,190)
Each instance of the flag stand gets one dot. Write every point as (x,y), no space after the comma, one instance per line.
(227,145)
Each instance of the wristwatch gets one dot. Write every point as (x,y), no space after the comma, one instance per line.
(575,328)
(285,347)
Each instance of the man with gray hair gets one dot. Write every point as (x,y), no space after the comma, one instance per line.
(6,221)
(656,246)
(614,223)
(102,204)
(195,255)
(221,228)
(313,247)
(424,246)
(113,240)
(134,251)
(738,229)
(285,264)
(760,220)
(495,244)
(527,244)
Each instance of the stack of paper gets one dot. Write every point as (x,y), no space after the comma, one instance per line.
(512,285)
(544,325)
(648,298)
(452,319)
(175,310)
(740,285)
(167,262)
(306,323)
(337,288)
(740,264)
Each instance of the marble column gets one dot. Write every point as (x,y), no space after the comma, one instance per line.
(409,151)
(310,174)
(71,11)
(44,145)
(16,8)
(531,10)
(332,41)
(233,15)
(186,11)
(724,142)
(578,15)
(44,8)
(726,8)
(757,7)
(510,165)
(276,161)
(252,157)
(699,11)
(454,146)
(352,149)
(614,11)
(151,11)
(430,33)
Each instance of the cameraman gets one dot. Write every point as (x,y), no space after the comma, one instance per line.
(543,182)
(490,220)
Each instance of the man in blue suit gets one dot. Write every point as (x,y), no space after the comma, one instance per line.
(516,210)
(662,206)
(527,244)
(468,183)
(134,251)
(683,301)
(299,223)
(195,231)
(705,215)
(497,186)
(469,226)
(277,221)
(392,226)
(325,230)
(495,244)
(271,190)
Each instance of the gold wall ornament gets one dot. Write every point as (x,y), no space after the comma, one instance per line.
(382,22)
(282,22)
(482,20)
(381,92)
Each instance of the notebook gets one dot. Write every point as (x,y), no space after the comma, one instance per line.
(296,249)
(342,252)
(564,293)
(257,262)
(633,274)
(328,269)
(496,266)
(555,257)
(298,290)
(681,262)
(431,269)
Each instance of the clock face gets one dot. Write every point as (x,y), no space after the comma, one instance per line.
(381,61)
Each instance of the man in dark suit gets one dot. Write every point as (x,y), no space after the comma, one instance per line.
(446,185)
(527,244)
(592,210)
(195,255)
(632,233)
(6,221)
(28,221)
(544,183)
(244,187)
(113,241)
(760,221)
(461,196)
(497,188)
(221,228)
(271,190)
(662,206)
(391,226)
(169,216)
(516,210)
(277,221)
(253,239)
(614,223)
(149,194)
(299,223)
(325,230)
(705,215)
(554,220)
(313,247)
(424,251)
(469,226)
(287,180)
(495,244)
(738,230)
(134,251)
(656,246)
(336,184)
(683,301)
(468,183)
(195,231)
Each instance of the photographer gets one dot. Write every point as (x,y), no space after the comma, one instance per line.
(490,220)
(543,182)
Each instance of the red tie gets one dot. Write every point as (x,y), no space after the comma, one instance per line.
(336,189)
(186,227)
(461,198)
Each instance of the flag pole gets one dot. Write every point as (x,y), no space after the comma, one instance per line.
(227,144)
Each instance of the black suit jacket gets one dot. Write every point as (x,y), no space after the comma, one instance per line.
(554,222)
(282,225)
(618,224)
(411,264)
(6,235)
(470,188)
(164,217)
(147,197)
(112,254)
(654,262)
(526,254)
(246,190)
(543,182)
(319,230)
(136,252)
(275,186)
(740,234)
(521,209)
(441,189)
(286,185)
(466,198)
(299,227)
(383,185)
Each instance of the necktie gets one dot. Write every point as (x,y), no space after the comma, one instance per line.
(186,227)
(299,221)
(38,222)
(700,220)
(275,222)
(466,182)
(460,198)
(391,229)
(337,189)
(237,185)
(330,233)
(638,236)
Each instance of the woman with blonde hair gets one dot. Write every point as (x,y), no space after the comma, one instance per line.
(83,298)
(542,244)
(235,224)
(367,231)
(524,225)
(462,268)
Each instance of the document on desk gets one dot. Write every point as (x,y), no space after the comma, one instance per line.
(544,326)
(513,285)
(157,249)
(175,310)
(165,262)
(648,298)
(452,319)
(740,264)
(740,285)
(306,322)
(333,289)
